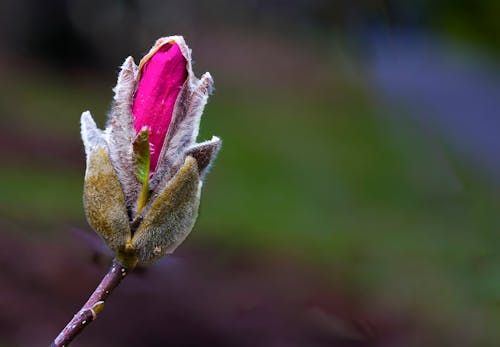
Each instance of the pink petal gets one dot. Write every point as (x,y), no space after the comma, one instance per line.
(161,80)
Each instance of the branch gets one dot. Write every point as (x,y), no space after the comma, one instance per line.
(94,304)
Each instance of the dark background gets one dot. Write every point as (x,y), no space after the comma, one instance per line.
(355,201)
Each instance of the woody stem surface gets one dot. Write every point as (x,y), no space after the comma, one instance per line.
(94,304)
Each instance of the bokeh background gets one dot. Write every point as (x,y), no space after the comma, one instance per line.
(355,201)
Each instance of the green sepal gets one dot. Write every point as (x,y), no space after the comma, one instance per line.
(104,201)
(142,160)
(171,216)
(142,157)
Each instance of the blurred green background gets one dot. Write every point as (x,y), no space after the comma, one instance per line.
(360,160)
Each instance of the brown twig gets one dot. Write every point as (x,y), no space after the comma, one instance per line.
(94,304)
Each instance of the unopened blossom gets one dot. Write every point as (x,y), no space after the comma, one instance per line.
(162,78)
(145,170)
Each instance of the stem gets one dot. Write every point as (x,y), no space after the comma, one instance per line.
(94,304)
(143,197)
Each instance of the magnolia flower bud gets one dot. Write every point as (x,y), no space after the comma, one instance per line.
(145,170)
(162,78)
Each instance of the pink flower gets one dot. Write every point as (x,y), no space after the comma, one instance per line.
(161,78)
(146,169)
